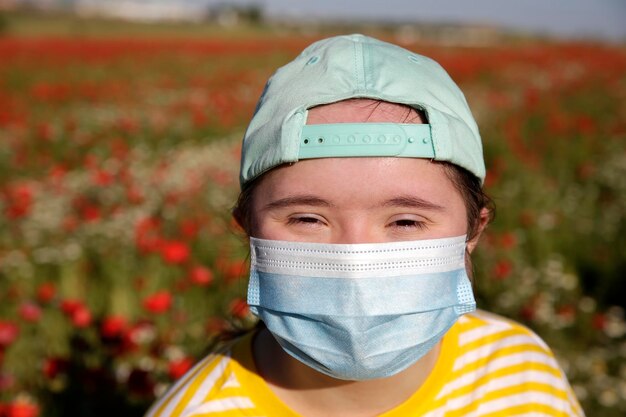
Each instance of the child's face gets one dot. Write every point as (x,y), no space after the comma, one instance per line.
(358,200)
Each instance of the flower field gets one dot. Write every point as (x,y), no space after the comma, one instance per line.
(119,263)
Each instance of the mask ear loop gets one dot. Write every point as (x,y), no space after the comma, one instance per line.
(469,269)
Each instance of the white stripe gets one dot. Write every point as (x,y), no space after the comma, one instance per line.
(532,414)
(494,319)
(483,331)
(174,388)
(202,391)
(504,382)
(486,350)
(224,404)
(208,382)
(495,365)
(231,382)
(521,399)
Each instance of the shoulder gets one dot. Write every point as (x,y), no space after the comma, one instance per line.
(488,341)
(210,386)
(481,328)
(500,363)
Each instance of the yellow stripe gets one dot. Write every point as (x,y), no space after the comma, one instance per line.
(485,379)
(515,369)
(527,408)
(509,350)
(225,393)
(505,392)
(494,337)
(473,321)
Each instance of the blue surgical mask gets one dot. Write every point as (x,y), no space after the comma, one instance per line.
(359,311)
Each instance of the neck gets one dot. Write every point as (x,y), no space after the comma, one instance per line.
(312,394)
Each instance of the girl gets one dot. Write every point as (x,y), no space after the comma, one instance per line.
(361,177)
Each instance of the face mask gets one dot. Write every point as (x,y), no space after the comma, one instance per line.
(359,311)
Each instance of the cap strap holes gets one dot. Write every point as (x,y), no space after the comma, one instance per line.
(320,140)
(313,60)
(306,141)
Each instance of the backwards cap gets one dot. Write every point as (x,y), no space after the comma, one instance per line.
(357,66)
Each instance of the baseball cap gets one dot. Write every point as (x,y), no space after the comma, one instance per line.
(358,66)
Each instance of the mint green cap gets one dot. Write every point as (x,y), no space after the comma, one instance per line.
(357,66)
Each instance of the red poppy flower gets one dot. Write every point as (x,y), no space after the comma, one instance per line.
(178,368)
(147,235)
(508,240)
(502,269)
(90,213)
(189,228)
(239,308)
(54,366)
(30,311)
(232,269)
(70,305)
(46,292)
(19,201)
(77,311)
(22,408)
(8,332)
(102,178)
(159,302)
(201,276)
(81,317)
(113,326)
(175,252)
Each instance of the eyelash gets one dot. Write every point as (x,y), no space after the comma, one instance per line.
(406,224)
(302,220)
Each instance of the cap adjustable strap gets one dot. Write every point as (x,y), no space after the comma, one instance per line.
(366,139)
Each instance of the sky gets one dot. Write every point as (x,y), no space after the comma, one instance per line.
(604,19)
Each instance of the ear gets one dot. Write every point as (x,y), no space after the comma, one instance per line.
(485,217)
(238,223)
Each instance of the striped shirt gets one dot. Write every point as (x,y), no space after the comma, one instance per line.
(488,367)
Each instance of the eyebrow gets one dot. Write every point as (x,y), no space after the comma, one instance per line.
(299,200)
(412,202)
(311,200)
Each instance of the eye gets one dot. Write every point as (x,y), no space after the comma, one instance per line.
(306,220)
(408,224)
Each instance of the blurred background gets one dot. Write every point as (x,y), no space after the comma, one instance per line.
(120,124)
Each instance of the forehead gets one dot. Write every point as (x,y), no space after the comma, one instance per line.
(361,182)
(362,110)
